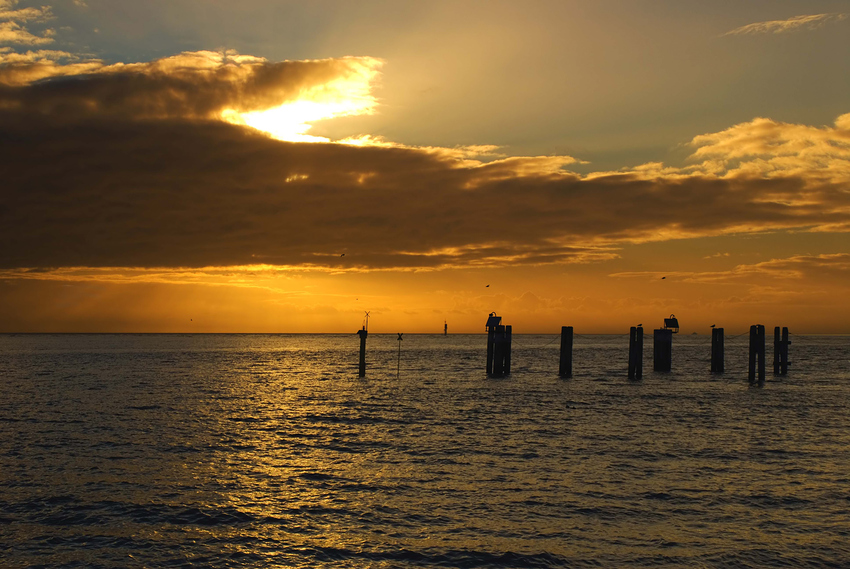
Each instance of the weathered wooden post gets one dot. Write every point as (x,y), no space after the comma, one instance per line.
(780,351)
(398,363)
(565,367)
(499,351)
(662,349)
(492,322)
(506,354)
(776,349)
(636,352)
(783,364)
(362,333)
(757,342)
(717,357)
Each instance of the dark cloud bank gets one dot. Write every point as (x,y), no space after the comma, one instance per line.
(128,169)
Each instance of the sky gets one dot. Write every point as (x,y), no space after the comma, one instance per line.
(277,166)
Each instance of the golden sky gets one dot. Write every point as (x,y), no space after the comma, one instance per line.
(286,166)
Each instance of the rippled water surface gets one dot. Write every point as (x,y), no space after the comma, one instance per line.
(269,451)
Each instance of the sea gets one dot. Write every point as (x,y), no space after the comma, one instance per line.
(168,450)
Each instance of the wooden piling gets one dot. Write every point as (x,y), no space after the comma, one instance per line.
(636,352)
(717,356)
(783,362)
(499,346)
(757,352)
(491,340)
(777,340)
(493,323)
(663,349)
(362,333)
(508,340)
(780,351)
(565,367)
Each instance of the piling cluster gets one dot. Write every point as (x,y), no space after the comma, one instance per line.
(499,350)
(498,347)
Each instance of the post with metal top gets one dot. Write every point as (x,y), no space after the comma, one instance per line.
(663,349)
(757,363)
(717,357)
(362,333)
(636,352)
(565,367)
(780,351)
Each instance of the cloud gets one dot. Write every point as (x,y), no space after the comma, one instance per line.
(815,269)
(806,22)
(13,32)
(132,166)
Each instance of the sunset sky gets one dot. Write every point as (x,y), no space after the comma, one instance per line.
(282,166)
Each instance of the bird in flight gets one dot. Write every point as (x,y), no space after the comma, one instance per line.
(640,325)
(662,278)
(712,325)
(487,286)
(343,255)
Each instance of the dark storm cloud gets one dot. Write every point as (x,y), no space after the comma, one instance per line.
(191,193)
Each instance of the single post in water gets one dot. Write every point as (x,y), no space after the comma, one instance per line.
(499,351)
(362,333)
(777,348)
(663,349)
(565,367)
(780,351)
(717,358)
(636,352)
(507,351)
(757,351)
(492,322)
(398,364)
(783,354)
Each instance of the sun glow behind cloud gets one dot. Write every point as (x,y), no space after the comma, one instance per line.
(349,95)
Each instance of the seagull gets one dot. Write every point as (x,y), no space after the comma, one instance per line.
(712,325)
(662,278)
(343,255)
(487,286)
(640,325)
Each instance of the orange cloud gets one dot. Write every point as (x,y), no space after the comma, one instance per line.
(806,22)
(13,32)
(131,165)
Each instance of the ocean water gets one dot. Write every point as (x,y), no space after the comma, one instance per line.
(269,451)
